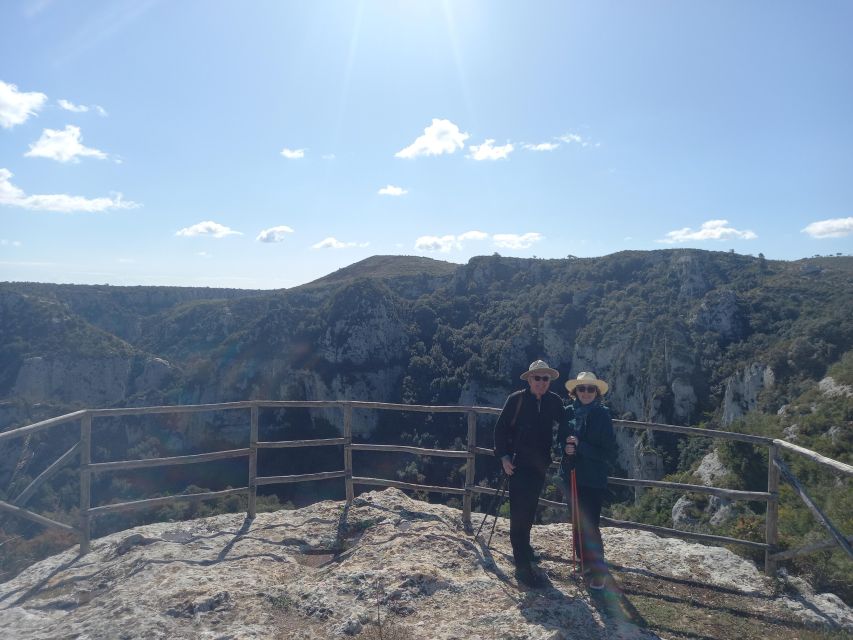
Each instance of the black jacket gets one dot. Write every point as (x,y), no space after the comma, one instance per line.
(531,438)
(596,450)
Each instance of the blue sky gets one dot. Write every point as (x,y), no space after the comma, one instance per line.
(265,144)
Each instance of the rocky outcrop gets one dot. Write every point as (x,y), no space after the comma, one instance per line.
(743,389)
(328,571)
(830,387)
(91,382)
(720,313)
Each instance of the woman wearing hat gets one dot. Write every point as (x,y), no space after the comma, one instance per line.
(524,436)
(590,447)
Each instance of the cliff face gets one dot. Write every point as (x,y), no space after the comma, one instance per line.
(682,336)
(327,571)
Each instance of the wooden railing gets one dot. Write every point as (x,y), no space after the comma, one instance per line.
(776,469)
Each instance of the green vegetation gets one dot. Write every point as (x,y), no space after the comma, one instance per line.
(420,331)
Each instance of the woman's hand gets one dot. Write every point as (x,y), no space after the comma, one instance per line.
(508,466)
(571,445)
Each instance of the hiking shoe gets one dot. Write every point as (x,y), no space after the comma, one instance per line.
(528,577)
(532,555)
(598,581)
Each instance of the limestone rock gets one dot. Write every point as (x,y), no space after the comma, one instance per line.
(325,571)
(742,391)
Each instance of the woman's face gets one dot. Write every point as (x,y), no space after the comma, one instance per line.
(586,393)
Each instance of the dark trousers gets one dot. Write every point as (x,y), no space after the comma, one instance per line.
(589,542)
(525,485)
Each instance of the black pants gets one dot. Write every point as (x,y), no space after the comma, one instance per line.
(588,545)
(525,485)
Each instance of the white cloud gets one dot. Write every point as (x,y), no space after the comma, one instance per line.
(208,228)
(334,243)
(573,138)
(204,254)
(710,230)
(445,244)
(328,156)
(101,111)
(542,146)
(10,243)
(70,106)
(832,228)
(274,234)
(391,190)
(442,136)
(435,243)
(15,197)
(293,154)
(62,146)
(473,235)
(487,151)
(16,106)
(516,241)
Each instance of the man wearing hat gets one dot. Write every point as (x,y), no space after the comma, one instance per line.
(524,435)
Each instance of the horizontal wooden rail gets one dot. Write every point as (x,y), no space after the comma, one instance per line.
(407,485)
(627,524)
(678,533)
(729,494)
(298,404)
(816,511)
(44,424)
(829,543)
(422,408)
(34,517)
(156,502)
(122,465)
(45,475)
(846,469)
(694,431)
(302,477)
(289,444)
(441,453)
(483,452)
(177,408)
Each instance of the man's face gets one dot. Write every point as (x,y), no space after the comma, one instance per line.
(539,383)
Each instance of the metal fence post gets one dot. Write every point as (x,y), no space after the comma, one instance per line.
(469,469)
(771,532)
(85,482)
(253,461)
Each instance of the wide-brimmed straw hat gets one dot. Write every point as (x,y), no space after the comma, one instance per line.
(540,365)
(587,377)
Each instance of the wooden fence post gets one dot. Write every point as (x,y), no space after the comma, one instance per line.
(771,533)
(253,461)
(348,452)
(469,469)
(85,482)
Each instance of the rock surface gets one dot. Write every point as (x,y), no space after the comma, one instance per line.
(325,571)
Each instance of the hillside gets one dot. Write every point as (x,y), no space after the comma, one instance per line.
(684,337)
(325,571)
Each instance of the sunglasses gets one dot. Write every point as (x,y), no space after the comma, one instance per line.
(541,378)
(583,389)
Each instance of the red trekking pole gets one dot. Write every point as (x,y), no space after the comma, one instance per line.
(576,523)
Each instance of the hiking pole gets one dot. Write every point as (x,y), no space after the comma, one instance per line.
(576,520)
(501,490)
(500,503)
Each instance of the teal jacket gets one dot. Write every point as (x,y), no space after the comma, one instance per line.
(596,450)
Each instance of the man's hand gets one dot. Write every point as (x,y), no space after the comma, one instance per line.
(509,467)
(571,445)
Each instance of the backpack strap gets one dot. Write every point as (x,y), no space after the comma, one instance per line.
(517,410)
